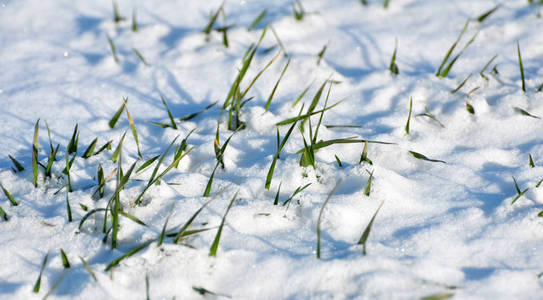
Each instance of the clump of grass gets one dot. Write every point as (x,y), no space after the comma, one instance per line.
(156,176)
(212,19)
(17,164)
(320,55)
(38,282)
(521,68)
(320,218)
(485,15)
(298,11)
(524,113)
(443,70)
(10,198)
(364,238)
(393,67)
(215,245)
(113,49)
(409,116)
(35,154)
(140,56)
(519,192)
(427,114)
(470,108)
(117,18)
(531,161)
(219,154)
(258,20)
(423,157)
(270,98)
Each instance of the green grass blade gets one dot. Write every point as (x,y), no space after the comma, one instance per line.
(276,200)
(87,266)
(364,238)
(163,232)
(367,190)
(386,4)
(3,214)
(320,55)
(132,127)
(485,15)
(116,16)
(438,296)
(90,150)
(38,282)
(113,49)
(132,251)
(524,113)
(140,56)
(409,116)
(461,85)
(430,115)
(279,42)
(486,67)
(364,156)
(521,68)
(132,218)
(258,19)
(147,164)
(305,116)
(115,155)
(17,165)
(212,20)
(393,67)
(74,141)
(193,115)
(87,215)
(116,116)
(339,164)
(270,98)
(65,261)
(35,154)
(447,69)
(68,207)
(531,162)
(215,245)
(174,126)
(423,157)
(320,218)
(207,190)
(302,95)
(296,192)
(470,108)
(134,21)
(13,202)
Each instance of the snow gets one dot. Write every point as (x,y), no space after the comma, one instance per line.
(444,228)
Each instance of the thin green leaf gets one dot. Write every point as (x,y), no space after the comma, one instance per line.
(18,166)
(339,164)
(140,56)
(320,218)
(134,21)
(192,115)
(393,66)
(90,150)
(270,98)
(521,68)
(296,192)
(305,116)
(423,157)
(87,266)
(87,215)
(132,218)
(531,162)
(485,15)
(35,154)
(320,55)
(364,238)
(258,19)
(446,58)
(409,116)
(215,245)
(115,155)
(65,261)
(173,125)
(116,16)
(68,207)
(132,251)
(525,113)
(132,127)
(38,282)
(438,296)
(461,85)
(367,190)
(470,108)
(74,141)
(3,214)
(302,95)
(147,164)
(13,202)
(113,49)
(116,116)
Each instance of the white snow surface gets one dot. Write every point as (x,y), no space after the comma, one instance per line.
(444,228)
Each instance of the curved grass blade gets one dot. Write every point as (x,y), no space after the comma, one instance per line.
(38,282)
(87,215)
(320,218)
(163,232)
(446,71)
(132,251)
(215,245)
(35,154)
(430,115)
(132,218)
(13,202)
(338,161)
(525,113)
(423,157)
(276,200)
(364,238)
(212,20)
